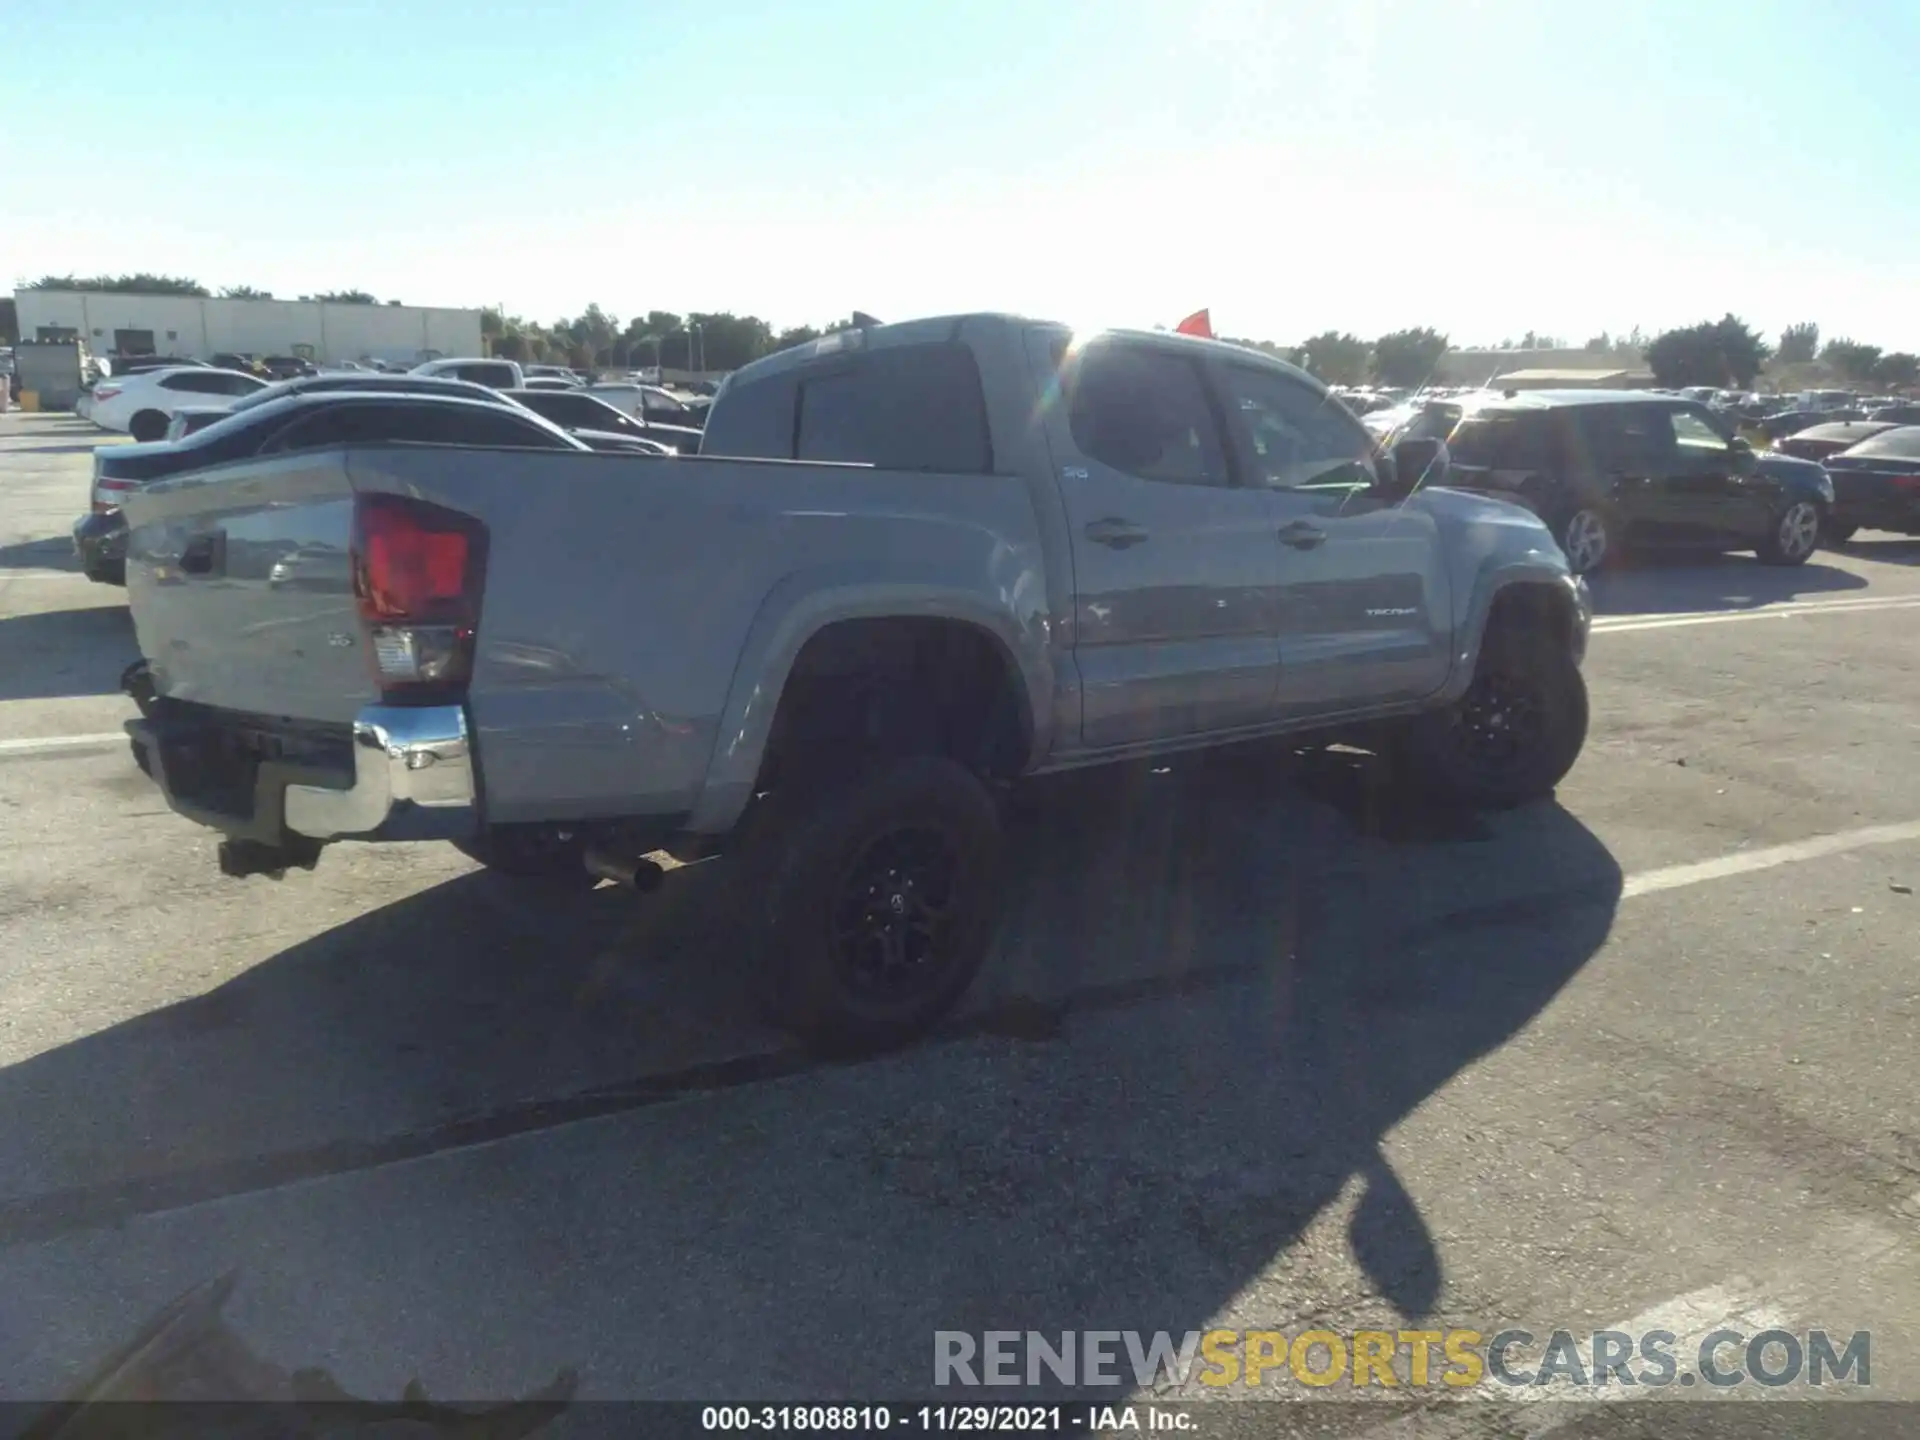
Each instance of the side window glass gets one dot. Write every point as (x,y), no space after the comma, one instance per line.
(1696,438)
(449,425)
(333,425)
(1630,437)
(1146,414)
(1296,437)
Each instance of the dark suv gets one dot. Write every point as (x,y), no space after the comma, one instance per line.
(1612,470)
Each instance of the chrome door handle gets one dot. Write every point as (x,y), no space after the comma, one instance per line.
(1115,533)
(1301,536)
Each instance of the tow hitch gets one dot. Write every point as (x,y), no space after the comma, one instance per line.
(241,858)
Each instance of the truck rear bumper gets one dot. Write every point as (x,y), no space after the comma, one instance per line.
(399,773)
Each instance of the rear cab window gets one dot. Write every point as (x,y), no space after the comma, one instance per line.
(908,407)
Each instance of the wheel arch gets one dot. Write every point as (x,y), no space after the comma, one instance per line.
(1536,596)
(802,610)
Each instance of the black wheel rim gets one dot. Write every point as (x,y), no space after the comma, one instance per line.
(1501,723)
(893,916)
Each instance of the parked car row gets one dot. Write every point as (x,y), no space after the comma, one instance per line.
(1618,471)
(327,410)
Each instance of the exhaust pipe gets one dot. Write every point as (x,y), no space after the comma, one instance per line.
(635,872)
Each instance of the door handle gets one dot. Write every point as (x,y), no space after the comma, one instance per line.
(1301,535)
(1115,533)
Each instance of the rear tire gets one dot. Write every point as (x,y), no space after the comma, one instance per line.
(880,896)
(1587,539)
(148,426)
(1510,739)
(532,853)
(1793,535)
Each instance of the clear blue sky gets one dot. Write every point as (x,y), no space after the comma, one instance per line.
(1486,168)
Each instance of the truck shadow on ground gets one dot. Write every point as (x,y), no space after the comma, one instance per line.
(1215,996)
(52,654)
(1680,585)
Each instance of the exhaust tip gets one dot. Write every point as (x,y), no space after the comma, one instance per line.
(635,872)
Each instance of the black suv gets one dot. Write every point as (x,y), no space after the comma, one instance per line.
(1612,470)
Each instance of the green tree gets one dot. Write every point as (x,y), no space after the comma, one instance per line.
(727,341)
(140,284)
(1335,357)
(244,292)
(1407,357)
(1799,343)
(1715,352)
(1851,358)
(798,335)
(342,297)
(1599,344)
(1900,370)
(9,321)
(509,347)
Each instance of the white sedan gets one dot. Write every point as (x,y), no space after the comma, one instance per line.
(142,404)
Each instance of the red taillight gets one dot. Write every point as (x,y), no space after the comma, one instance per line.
(105,392)
(105,484)
(417,576)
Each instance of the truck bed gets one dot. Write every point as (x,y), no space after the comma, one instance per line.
(622,595)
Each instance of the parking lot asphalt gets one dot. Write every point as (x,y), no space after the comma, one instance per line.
(1256,1049)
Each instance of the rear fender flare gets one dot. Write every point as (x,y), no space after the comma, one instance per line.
(805,603)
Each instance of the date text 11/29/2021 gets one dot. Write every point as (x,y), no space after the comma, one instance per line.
(946,1419)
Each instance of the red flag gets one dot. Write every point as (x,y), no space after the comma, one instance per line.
(1199,323)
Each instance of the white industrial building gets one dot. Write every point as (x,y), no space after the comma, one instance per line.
(109,322)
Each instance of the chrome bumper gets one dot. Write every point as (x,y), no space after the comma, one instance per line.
(411,779)
(408,765)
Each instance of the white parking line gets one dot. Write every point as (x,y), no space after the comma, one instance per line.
(1617,624)
(1746,862)
(1780,1300)
(60,742)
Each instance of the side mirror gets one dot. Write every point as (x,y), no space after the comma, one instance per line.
(1743,456)
(1414,463)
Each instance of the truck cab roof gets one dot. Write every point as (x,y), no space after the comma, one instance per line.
(947,329)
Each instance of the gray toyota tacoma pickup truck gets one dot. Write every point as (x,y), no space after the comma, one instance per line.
(912,564)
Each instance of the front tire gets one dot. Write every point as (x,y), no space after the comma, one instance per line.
(881,894)
(1510,739)
(148,426)
(1793,536)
